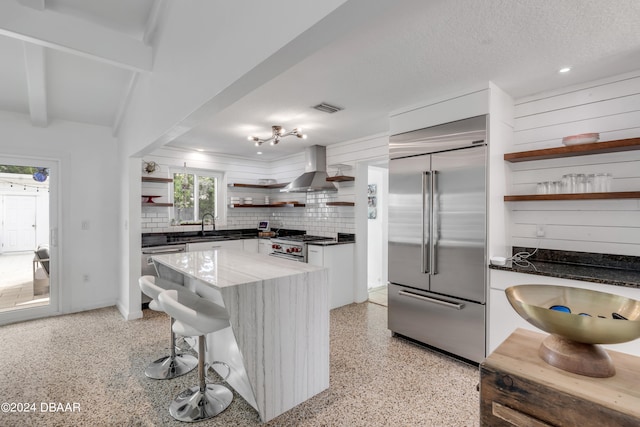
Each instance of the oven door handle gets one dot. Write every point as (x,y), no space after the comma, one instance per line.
(289,257)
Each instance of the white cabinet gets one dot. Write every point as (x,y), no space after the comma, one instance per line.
(264,246)
(203,246)
(339,260)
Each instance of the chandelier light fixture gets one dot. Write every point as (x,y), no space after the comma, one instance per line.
(277,133)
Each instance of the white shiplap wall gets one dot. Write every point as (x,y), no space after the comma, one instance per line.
(610,107)
(316,218)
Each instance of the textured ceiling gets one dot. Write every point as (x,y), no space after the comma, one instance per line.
(420,49)
(426,49)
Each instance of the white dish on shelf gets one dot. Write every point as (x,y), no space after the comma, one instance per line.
(583,138)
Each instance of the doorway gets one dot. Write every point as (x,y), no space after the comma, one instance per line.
(377,237)
(25,257)
(19,221)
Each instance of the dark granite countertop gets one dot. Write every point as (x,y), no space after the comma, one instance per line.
(177,238)
(597,268)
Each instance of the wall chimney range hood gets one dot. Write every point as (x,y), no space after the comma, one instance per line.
(315,176)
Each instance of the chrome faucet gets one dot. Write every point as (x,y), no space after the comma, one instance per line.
(213,219)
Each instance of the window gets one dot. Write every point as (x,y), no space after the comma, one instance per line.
(196,193)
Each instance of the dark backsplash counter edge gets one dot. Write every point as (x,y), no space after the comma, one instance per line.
(607,276)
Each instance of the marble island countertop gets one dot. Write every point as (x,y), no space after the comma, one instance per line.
(607,269)
(229,267)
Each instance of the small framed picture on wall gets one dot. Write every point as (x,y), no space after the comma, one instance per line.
(372,202)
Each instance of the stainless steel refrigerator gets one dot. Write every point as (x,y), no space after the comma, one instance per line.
(437,236)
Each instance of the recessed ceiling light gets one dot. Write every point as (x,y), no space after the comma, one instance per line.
(200,149)
(259,152)
(564,70)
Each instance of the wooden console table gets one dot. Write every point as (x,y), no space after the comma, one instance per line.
(517,388)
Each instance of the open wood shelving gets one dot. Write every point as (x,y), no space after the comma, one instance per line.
(279,205)
(575,196)
(262,186)
(340,204)
(156,179)
(340,178)
(573,151)
(158,205)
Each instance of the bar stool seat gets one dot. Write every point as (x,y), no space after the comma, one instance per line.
(174,365)
(196,316)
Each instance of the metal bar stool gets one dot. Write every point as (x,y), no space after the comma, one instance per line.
(174,365)
(197,316)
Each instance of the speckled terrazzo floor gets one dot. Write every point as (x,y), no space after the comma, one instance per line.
(96,359)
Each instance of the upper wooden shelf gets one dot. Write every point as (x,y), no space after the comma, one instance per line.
(278,205)
(278,185)
(575,196)
(155,179)
(340,204)
(575,150)
(340,178)
(158,205)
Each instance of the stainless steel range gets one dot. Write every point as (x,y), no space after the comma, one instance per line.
(294,247)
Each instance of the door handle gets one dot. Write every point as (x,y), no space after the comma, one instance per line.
(433,260)
(458,306)
(427,184)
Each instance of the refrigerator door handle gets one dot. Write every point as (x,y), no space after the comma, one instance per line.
(433,233)
(458,306)
(427,183)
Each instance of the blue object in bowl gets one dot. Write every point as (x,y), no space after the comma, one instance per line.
(562,308)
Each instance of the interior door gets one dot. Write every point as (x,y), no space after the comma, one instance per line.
(459,223)
(409,182)
(19,223)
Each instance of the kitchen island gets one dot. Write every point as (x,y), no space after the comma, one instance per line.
(278,343)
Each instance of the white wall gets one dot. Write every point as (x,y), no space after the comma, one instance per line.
(610,107)
(500,138)
(316,218)
(87,192)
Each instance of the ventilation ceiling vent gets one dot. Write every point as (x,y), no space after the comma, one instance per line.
(327,108)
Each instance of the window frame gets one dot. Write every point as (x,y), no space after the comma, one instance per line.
(221,191)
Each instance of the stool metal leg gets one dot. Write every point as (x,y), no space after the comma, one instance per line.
(202,401)
(171,366)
